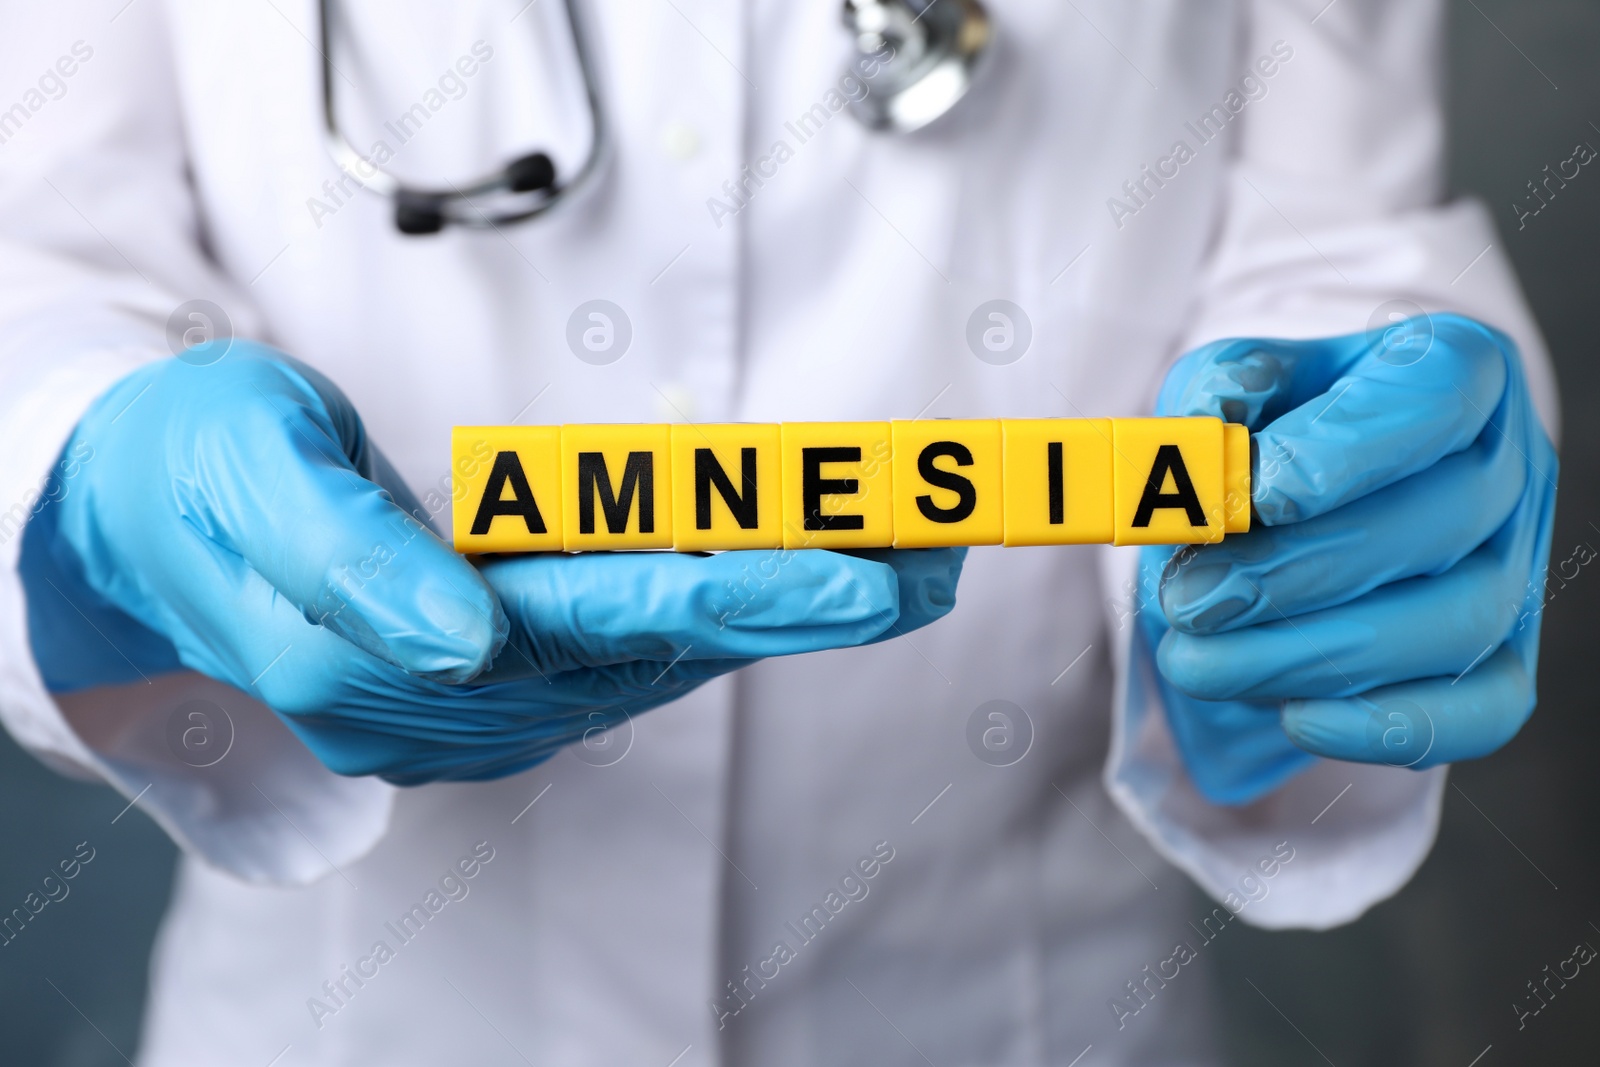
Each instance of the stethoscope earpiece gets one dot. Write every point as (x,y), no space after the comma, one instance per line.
(417,215)
(531,173)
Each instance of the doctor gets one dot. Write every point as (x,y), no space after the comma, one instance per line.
(409,836)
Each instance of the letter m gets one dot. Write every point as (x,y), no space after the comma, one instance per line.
(594,481)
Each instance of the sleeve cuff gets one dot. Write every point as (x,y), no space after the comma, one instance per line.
(259,806)
(1356,832)
(226,779)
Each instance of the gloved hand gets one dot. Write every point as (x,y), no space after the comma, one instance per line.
(232,518)
(1385,606)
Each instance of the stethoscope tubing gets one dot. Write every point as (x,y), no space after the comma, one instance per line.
(460,205)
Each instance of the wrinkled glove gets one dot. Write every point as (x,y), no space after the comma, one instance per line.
(232,518)
(1385,606)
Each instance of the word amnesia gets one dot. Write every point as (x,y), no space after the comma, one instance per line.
(906,484)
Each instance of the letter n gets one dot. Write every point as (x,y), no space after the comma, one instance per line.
(708,472)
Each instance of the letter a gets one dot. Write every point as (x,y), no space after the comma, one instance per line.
(507,469)
(1169,460)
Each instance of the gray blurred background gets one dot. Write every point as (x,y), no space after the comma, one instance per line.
(1428,979)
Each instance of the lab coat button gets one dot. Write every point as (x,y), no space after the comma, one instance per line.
(680,141)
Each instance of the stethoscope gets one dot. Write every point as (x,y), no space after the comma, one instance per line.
(917,58)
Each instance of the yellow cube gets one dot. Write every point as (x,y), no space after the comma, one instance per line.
(617,487)
(947,483)
(1168,481)
(1057,481)
(837,482)
(1236,473)
(726,487)
(506,488)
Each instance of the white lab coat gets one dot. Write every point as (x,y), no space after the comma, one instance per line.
(184,160)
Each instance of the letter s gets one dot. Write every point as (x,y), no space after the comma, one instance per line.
(884,851)
(1282,50)
(78,852)
(482,50)
(939,478)
(484,851)
(82,50)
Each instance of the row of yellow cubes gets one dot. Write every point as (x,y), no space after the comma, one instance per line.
(909,484)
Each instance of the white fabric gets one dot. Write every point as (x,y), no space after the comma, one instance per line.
(184,160)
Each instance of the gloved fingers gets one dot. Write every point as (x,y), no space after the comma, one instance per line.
(1422,525)
(1419,723)
(309,674)
(1383,421)
(278,478)
(603,733)
(383,721)
(363,716)
(927,579)
(1252,381)
(601,609)
(418,731)
(451,767)
(352,748)
(1386,413)
(1417,628)
(625,680)
(321,677)
(647,682)
(1235,752)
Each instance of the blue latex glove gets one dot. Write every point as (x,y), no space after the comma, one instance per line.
(233,518)
(1385,608)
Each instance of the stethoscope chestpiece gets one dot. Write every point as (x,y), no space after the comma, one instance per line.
(918,58)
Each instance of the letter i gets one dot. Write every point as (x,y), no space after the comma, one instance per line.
(1058,487)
